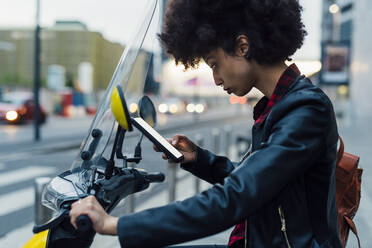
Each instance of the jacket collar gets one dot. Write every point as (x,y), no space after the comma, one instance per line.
(264,106)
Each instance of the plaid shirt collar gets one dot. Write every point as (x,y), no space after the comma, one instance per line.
(263,107)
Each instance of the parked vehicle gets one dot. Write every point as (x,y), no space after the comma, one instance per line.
(19,107)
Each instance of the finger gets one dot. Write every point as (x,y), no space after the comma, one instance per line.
(73,214)
(76,203)
(155,148)
(73,223)
(175,140)
(165,156)
(77,209)
(178,139)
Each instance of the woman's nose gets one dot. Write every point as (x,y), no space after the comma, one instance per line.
(217,80)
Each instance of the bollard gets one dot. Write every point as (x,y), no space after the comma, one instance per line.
(199,142)
(131,198)
(42,213)
(216,141)
(172,181)
(228,136)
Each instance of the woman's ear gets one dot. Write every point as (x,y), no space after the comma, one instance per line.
(242,46)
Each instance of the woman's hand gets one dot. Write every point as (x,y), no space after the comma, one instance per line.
(185,146)
(102,222)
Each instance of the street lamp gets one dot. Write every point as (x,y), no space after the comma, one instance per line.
(334,9)
(37,74)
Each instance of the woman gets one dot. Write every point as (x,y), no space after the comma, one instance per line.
(282,194)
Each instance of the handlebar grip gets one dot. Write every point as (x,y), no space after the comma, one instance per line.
(84,224)
(155,177)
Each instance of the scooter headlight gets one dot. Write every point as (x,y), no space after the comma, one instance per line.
(58,191)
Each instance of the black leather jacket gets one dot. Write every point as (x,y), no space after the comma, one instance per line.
(285,188)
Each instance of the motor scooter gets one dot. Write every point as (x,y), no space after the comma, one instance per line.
(109,179)
(101,168)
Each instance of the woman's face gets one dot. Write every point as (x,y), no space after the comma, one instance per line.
(234,73)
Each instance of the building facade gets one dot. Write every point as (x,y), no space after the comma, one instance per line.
(352,24)
(361,65)
(67,44)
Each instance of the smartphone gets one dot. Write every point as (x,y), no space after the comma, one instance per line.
(159,141)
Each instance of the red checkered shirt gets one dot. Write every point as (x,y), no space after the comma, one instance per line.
(260,112)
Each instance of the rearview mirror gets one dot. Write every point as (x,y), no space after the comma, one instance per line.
(147,111)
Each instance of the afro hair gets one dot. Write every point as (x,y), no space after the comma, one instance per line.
(194,28)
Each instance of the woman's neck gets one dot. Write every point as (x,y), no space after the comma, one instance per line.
(268,77)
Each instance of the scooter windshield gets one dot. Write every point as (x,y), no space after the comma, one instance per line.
(130,74)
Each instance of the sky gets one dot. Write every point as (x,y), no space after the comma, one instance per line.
(117,20)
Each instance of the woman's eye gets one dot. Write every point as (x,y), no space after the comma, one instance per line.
(213,66)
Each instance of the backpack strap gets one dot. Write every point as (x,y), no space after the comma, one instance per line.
(340,152)
(352,226)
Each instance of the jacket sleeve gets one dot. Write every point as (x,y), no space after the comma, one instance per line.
(210,167)
(294,144)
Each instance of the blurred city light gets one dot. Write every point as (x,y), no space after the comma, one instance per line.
(334,8)
(163,108)
(11,115)
(173,109)
(133,107)
(190,107)
(177,81)
(343,90)
(199,108)
(237,99)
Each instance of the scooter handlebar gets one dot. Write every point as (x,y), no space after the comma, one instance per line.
(84,224)
(155,177)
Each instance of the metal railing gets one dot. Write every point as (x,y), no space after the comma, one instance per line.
(217,146)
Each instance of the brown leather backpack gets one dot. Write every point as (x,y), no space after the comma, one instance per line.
(348,183)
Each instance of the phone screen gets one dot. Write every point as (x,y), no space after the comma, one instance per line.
(157,139)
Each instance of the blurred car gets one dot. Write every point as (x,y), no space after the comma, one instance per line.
(196,107)
(172,106)
(18,107)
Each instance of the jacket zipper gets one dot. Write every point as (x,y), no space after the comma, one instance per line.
(246,234)
(283,228)
(246,220)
